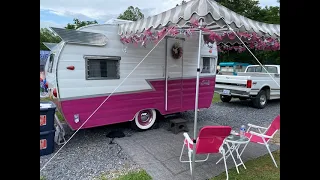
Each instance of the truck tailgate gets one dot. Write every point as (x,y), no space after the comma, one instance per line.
(235,85)
(232,80)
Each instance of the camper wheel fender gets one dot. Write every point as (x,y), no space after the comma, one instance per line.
(145,119)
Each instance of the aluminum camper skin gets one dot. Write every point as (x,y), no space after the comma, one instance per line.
(90,63)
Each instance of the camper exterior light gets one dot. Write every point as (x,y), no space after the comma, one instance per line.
(70,67)
(76,118)
(54,92)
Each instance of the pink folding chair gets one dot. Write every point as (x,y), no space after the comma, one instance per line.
(264,135)
(210,140)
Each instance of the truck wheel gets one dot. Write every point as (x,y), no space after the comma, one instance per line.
(260,101)
(144,119)
(225,98)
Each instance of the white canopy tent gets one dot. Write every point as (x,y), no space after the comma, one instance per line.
(209,14)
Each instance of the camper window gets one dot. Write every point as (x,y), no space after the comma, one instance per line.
(206,65)
(102,67)
(50,63)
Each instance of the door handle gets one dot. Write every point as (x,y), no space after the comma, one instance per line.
(163,73)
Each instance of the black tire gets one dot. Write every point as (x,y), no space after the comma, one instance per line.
(243,98)
(225,98)
(260,101)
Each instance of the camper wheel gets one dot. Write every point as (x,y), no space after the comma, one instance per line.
(145,119)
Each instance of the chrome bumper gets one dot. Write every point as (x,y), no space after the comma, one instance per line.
(233,92)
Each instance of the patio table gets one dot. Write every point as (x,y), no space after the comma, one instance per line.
(233,142)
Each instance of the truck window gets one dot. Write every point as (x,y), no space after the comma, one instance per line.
(272,69)
(254,69)
(102,67)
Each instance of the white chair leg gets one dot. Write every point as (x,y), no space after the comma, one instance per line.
(182,153)
(225,163)
(267,145)
(190,161)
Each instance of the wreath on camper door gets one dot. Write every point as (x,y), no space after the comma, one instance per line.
(176,51)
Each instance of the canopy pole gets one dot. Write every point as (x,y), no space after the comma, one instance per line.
(196,104)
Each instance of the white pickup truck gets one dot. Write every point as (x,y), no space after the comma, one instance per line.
(254,83)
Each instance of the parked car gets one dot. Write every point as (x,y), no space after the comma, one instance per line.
(255,83)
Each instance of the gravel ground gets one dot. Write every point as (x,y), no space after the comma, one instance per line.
(237,113)
(89,155)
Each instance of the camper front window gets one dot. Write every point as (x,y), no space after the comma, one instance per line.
(101,68)
(206,65)
(50,63)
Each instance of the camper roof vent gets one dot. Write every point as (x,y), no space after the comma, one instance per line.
(81,37)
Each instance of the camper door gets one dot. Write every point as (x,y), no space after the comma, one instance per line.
(173,90)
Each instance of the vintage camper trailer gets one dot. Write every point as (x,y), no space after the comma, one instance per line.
(91,62)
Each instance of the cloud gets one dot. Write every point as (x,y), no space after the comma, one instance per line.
(47,24)
(264,3)
(101,10)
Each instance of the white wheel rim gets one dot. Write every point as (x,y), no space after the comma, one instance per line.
(144,119)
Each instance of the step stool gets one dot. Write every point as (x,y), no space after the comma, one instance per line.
(178,125)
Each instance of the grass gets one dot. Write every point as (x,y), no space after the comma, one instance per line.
(140,175)
(57,112)
(261,168)
(42,178)
(216,98)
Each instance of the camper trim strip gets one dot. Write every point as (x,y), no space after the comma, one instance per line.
(137,91)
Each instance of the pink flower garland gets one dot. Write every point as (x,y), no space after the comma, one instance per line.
(254,41)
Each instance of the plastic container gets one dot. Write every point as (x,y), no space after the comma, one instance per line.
(242,131)
(47,142)
(47,111)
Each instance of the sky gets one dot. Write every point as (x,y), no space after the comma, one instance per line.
(58,13)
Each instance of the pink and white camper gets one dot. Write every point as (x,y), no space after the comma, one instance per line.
(166,76)
(91,62)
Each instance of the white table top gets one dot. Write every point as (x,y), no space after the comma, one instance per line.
(232,138)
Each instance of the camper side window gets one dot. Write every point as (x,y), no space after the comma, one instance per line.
(206,65)
(50,63)
(102,68)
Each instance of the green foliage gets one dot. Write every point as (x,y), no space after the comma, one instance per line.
(77,24)
(47,36)
(141,175)
(132,14)
(265,57)
(182,3)
(261,168)
(247,8)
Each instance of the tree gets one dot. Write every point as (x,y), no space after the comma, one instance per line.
(247,8)
(132,14)
(77,24)
(182,3)
(271,15)
(47,36)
